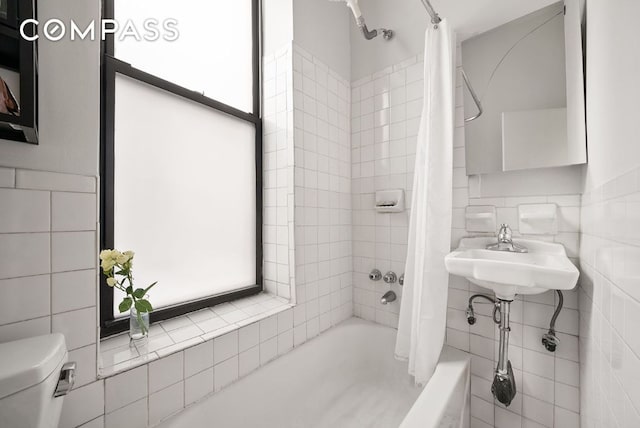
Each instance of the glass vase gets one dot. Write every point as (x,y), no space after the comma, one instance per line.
(138,325)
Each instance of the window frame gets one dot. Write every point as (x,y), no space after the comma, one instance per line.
(109,68)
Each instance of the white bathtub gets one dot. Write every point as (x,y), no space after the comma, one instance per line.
(346,377)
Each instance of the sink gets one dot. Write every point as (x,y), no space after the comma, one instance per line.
(545,267)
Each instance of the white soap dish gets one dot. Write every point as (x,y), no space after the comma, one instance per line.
(390,201)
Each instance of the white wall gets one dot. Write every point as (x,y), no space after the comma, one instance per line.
(277,24)
(610,240)
(613,90)
(69,121)
(322,28)
(407,18)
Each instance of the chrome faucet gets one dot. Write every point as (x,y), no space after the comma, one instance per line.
(505,242)
(388,297)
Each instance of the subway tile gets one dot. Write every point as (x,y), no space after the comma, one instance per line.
(165,402)
(566,419)
(248,361)
(482,410)
(27,179)
(73,211)
(225,373)
(285,320)
(538,364)
(25,329)
(198,358)
(24,254)
(285,339)
(249,336)
(225,347)
(82,405)
(73,290)
(507,419)
(24,211)
(198,386)
(567,372)
(86,369)
(73,251)
(268,328)
(538,411)
(268,350)
(567,397)
(185,333)
(134,415)
(125,388)
(166,371)
(78,327)
(24,298)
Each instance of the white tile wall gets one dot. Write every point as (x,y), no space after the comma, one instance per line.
(610,304)
(547,383)
(385,108)
(278,165)
(322,178)
(48,278)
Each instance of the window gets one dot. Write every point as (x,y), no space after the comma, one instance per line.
(181,167)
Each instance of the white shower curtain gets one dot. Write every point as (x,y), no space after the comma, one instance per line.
(421,328)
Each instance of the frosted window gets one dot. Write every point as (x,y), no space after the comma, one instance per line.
(184,195)
(212,55)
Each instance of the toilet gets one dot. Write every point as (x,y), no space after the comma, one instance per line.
(34,377)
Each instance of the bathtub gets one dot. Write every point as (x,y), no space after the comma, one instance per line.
(346,377)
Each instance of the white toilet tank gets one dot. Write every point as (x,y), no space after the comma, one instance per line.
(29,373)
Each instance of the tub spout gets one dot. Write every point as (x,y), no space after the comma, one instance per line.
(388,297)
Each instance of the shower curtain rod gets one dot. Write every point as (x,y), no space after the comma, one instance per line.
(435,18)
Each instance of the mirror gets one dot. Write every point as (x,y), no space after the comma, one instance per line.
(528,77)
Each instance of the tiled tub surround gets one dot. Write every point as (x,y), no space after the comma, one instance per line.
(323,262)
(353,361)
(176,334)
(610,304)
(149,393)
(278,166)
(385,108)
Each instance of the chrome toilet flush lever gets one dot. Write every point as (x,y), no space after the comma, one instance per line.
(67,379)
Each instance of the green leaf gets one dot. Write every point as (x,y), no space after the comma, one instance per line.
(143,306)
(139,293)
(125,305)
(129,290)
(146,290)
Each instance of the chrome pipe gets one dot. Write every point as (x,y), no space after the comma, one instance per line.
(476,100)
(370,34)
(435,18)
(503,356)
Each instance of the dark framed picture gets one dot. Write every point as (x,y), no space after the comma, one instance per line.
(9,92)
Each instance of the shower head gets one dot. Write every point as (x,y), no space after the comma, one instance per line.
(357,14)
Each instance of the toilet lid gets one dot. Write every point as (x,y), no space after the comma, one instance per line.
(27,362)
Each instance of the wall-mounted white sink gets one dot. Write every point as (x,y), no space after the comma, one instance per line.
(544,267)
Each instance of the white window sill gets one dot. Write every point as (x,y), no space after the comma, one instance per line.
(166,337)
